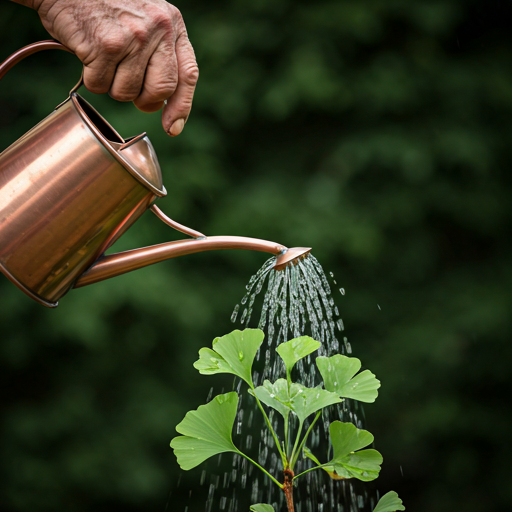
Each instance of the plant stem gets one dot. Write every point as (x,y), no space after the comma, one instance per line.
(288,489)
(280,485)
(286,441)
(312,469)
(274,435)
(296,456)
(296,442)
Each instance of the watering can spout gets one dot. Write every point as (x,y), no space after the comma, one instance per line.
(121,263)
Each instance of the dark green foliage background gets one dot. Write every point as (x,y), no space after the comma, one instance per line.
(377,132)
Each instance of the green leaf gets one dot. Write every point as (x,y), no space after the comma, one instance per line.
(206,431)
(294,350)
(390,502)
(233,353)
(275,395)
(300,400)
(347,462)
(338,374)
(262,507)
(363,465)
(309,454)
(328,469)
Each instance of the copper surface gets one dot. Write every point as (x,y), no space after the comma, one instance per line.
(291,257)
(175,225)
(66,194)
(117,264)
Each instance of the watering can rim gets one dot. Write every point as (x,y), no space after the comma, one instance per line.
(77,101)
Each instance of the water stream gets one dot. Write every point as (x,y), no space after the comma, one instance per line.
(297,301)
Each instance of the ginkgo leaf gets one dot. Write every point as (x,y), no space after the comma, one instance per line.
(294,350)
(390,502)
(330,471)
(347,461)
(296,398)
(206,431)
(338,374)
(275,395)
(210,362)
(233,353)
(262,507)
(363,465)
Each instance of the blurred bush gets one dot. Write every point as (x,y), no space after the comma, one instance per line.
(375,132)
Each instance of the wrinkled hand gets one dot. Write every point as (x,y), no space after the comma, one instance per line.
(136,50)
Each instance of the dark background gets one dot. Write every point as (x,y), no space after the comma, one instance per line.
(377,132)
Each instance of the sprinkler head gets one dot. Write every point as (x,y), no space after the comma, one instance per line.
(291,257)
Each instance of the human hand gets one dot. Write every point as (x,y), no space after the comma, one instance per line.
(135,50)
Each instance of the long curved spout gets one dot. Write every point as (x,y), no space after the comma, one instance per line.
(117,264)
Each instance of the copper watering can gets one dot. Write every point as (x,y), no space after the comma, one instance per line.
(71,186)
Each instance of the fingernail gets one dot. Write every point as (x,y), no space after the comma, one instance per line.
(176,127)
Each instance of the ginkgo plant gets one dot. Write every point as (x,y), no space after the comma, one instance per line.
(207,431)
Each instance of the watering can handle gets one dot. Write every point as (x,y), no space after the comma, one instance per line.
(19,55)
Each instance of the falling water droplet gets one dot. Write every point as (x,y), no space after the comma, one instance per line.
(378,306)
(235,313)
(342,291)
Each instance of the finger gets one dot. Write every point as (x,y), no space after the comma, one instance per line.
(178,107)
(100,65)
(160,80)
(99,75)
(129,76)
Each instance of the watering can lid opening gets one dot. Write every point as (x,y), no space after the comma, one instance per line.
(136,155)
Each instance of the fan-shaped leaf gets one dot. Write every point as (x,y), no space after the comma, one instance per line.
(300,400)
(294,350)
(347,462)
(206,431)
(233,353)
(390,502)
(338,374)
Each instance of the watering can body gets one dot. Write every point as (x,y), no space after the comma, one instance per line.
(68,189)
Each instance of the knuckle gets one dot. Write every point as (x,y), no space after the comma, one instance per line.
(190,73)
(160,91)
(112,45)
(163,20)
(175,13)
(140,36)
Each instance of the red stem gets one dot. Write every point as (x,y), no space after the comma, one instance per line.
(288,488)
